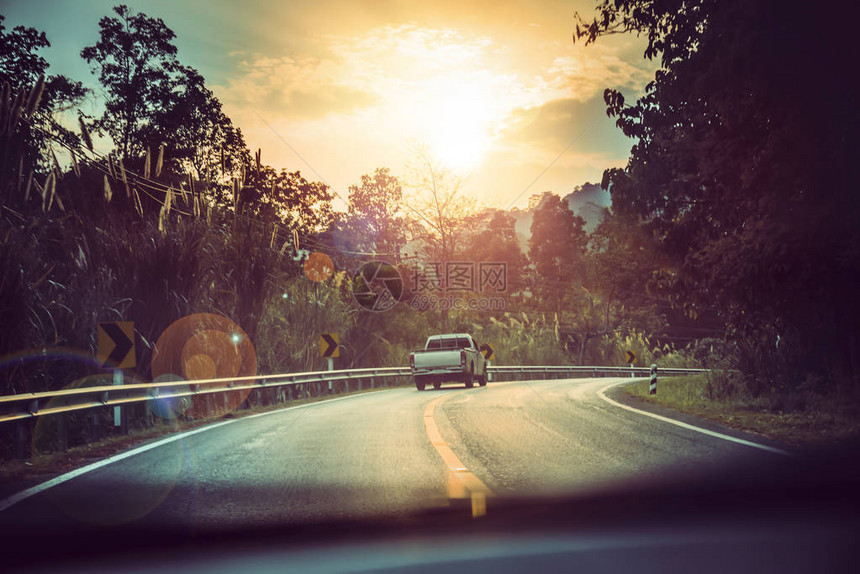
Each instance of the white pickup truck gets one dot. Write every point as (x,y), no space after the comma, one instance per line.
(448,357)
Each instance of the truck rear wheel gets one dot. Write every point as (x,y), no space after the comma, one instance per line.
(470,378)
(437,385)
(419,384)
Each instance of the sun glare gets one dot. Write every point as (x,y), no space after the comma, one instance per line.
(457,120)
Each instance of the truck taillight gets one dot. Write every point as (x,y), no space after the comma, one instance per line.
(411,361)
(462,359)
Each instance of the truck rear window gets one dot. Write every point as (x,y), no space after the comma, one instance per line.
(452,343)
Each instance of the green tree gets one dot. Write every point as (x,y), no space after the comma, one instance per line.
(745,163)
(136,63)
(198,135)
(26,143)
(556,249)
(629,274)
(286,198)
(439,216)
(497,242)
(373,222)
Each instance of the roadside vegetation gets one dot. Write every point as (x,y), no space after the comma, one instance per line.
(803,419)
(726,246)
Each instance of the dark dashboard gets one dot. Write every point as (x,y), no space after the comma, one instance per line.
(795,514)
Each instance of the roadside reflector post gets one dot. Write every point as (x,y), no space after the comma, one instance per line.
(487,375)
(330,368)
(118,411)
(653,389)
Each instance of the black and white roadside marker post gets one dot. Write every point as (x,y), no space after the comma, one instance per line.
(653,390)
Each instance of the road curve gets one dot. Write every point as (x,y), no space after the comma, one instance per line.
(379,454)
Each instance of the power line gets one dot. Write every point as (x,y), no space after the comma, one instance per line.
(587,127)
(298,155)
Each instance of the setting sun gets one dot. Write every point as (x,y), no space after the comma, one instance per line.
(458,124)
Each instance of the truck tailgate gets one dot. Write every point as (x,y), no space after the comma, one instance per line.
(436,359)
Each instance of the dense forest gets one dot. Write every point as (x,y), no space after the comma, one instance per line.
(731,240)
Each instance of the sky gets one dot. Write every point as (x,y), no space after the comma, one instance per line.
(494,91)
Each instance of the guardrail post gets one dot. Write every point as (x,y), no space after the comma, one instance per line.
(94,426)
(24,439)
(62,433)
(653,389)
(147,408)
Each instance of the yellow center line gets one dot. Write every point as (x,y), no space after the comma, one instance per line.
(462,483)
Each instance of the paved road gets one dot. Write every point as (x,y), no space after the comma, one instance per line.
(381,453)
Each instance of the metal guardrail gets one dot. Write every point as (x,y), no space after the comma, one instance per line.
(639,371)
(30,405)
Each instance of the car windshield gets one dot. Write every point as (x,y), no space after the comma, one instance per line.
(233,234)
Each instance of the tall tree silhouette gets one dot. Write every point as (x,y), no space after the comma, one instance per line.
(745,167)
(136,63)
(556,249)
(25,143)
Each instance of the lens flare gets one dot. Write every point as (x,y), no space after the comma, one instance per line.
(206,346)
(318,267)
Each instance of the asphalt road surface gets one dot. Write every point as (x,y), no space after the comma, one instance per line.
(383,453)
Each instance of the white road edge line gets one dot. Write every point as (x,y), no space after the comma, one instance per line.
(14,499)
(685,425)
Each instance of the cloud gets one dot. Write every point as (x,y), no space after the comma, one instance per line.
(294,87)
(582,125)
(589,70)
(408,51)
(389,85)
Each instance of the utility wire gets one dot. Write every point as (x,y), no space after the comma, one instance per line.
(579,135)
